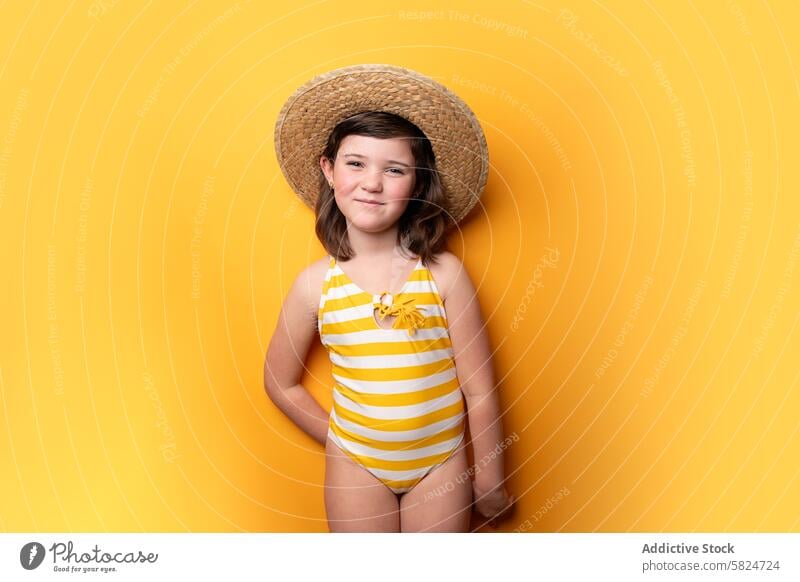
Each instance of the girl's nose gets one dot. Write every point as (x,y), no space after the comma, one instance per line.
(372,182)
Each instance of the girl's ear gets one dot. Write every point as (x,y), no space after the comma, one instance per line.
(325,164)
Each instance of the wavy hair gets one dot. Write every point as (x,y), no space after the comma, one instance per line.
(423,225)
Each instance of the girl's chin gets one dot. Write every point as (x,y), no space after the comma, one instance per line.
(370,213)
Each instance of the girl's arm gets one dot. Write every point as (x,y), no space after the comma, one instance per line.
(476,376)
(285,359)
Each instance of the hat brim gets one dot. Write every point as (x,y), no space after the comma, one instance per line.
(310,114)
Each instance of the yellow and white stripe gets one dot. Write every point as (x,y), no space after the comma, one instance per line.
(397,405)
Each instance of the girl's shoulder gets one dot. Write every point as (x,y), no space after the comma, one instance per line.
(445,271)
(316,272)
(309,283)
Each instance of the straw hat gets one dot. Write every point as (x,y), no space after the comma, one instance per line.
(310,114)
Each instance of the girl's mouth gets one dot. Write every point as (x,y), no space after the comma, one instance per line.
(371,202)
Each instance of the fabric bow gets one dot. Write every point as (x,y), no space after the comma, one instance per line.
(408,315)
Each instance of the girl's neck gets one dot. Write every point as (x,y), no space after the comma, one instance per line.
(375,245)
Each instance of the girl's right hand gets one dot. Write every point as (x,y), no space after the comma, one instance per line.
(494,505)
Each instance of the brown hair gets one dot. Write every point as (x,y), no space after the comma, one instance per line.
(423,225)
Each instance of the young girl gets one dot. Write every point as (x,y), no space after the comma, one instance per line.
(397,313)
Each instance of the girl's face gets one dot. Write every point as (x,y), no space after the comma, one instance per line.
(373,180)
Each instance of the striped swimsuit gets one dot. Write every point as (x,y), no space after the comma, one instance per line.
(397,404)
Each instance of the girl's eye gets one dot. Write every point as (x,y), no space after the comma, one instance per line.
(395,171)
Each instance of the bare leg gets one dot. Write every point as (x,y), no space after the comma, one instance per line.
(356,500)
(442,501)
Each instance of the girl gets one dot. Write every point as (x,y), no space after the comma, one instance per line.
(389,159)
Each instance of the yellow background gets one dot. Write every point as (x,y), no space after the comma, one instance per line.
(636,256)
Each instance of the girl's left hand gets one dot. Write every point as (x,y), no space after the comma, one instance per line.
(495,504)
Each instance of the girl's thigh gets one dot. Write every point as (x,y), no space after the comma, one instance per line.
(442,501)
(355,500)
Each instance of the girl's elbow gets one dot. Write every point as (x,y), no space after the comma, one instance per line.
(276,390)
(271,386)
(477,392)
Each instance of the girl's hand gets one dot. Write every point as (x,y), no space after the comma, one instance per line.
(495,504)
